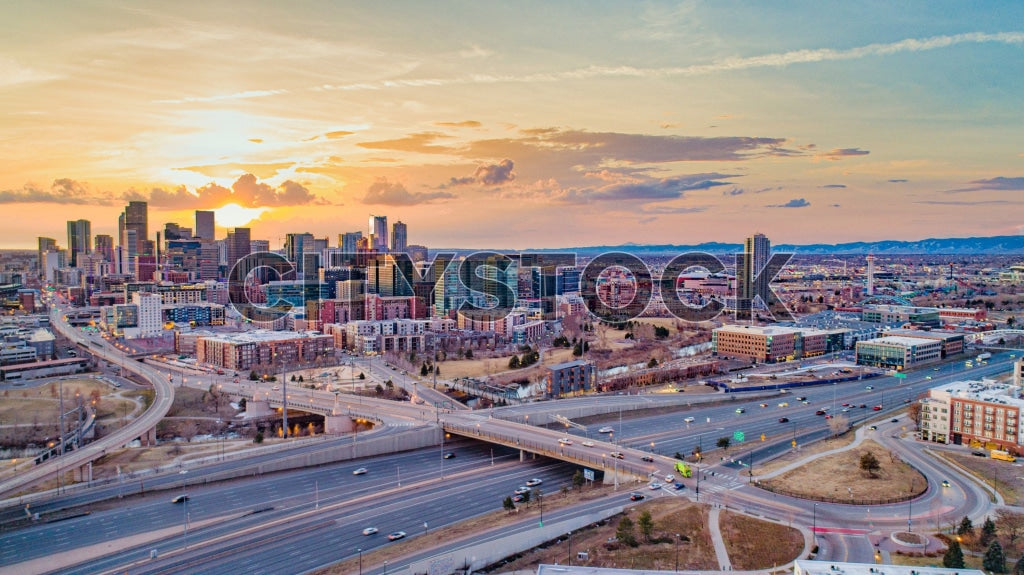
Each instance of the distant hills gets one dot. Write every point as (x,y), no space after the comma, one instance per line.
(993,245)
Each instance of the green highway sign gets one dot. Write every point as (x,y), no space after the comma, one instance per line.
(738,436)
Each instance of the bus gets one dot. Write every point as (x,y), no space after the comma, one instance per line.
(1002,455)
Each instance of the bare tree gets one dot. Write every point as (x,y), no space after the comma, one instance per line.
(188,430)
(838,424)
(1010,524)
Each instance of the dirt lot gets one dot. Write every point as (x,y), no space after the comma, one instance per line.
(1004,474)
(804,452)
(829,477)
(745,539)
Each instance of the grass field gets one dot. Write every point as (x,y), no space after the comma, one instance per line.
(745,539)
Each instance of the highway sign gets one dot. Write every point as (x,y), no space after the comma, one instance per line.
(588,474)
(738,436)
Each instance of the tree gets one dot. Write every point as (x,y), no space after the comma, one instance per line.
(578,480)
(838,424)
(253,376)
(513,362)
(869,463)
(293,377)
(624,532)
(469,354)
(1010,524)
(423,370)
(660,332)
(652,363)
(526,498)
(995,560)
(723,442)
(508,504)
(1018,569)
(914,412)
(362,375)
(1010,321)
(646,525)
(965,527)
(954,557)
(988,531)
(258,438)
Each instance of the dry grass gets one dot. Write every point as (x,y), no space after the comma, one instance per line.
(804,452)
(1004,474)
(831,475)
(451,369)
(745,539)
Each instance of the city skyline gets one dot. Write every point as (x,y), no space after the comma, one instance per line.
(547,125)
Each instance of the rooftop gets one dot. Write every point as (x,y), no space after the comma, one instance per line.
(803,567)
(264,336)
(901,340)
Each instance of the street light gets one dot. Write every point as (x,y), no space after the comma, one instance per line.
(814,523)
(184,507)
(677,552)
(360,551)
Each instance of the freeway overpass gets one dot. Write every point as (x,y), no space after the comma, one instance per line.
(142,427)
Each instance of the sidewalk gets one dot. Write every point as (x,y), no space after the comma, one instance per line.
(859,437)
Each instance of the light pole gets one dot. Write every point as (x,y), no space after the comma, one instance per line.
(814,523)
(910,507)
(442,449)
(677,553)
(360,551)
(184,507)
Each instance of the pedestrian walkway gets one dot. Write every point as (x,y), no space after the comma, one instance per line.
(720,483)
(859,437)
(721,553)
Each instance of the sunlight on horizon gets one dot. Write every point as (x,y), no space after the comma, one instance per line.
(233,215)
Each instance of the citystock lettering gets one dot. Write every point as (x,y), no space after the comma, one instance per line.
(484,285)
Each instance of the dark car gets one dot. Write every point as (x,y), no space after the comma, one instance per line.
(894,420)
(636,496)
(978,453)
(863,406)
(449,455)
(679,486)
(646,458)
(820,412)
(180,499)
(783,420)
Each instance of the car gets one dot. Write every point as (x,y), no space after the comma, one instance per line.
(396,535)
(655,486)
(877,408)
(845,409)
(180,499)
(906,400)
(565,441)
(894,420)
(805,402)
(862,406)
(740,410)
(449,455)
(617,455)
(587,444)
(801,398)
(647,458)
(679,486)
(360,471)
(370,530)
(522,489)
(846,405)
(783,420)
(688,420)
(937,369)
(873,428)
(784,404)
(670,478)
(828,417)
(763,405)
(945,483)
(606,429)
(869,387)
(534,481)
(927,377)
(978,453)
(636,496)
(820,412)
(276,388)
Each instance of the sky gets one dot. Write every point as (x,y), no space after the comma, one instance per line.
(517,125)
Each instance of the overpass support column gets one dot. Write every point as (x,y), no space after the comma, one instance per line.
(338,424)
(83,474)
(149,438)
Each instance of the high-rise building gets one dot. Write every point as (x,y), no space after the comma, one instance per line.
(750,282)
(399,237)
(349,242)
(173,231)
(79,239)
(105,247)
(379,232)
(135,217)
(205,225)
(238,245)
(46,245)
(258,246)
(870,288)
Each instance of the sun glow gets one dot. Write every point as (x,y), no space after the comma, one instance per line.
(233,215)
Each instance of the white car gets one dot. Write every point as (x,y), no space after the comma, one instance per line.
(587,444)
(369,531)
(670,478)
(606,429)
(360,471)
(689,419)
(565,441)
(534,481)
(655,486)
(522,489)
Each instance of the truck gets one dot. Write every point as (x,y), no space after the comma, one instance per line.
(1003,455)
(683,469)
(983,356)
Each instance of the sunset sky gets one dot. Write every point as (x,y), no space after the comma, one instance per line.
(517,125)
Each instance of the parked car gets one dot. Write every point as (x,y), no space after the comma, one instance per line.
(655,486)
(396,535)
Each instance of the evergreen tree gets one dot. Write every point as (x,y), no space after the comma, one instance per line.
(965,527)
(513,362)
(469,354)
(578,480)
(988,531)
(1018,569)
(994,560)
(508,504)
(954,557)
(624,532)
(423,370)
(646,525)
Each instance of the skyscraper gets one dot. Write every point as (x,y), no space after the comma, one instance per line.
(79,239)
(238,246)
(135,217)
(399,237)
(45,245)
(379,232)
(756,251)
(205,225)
(105,247)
